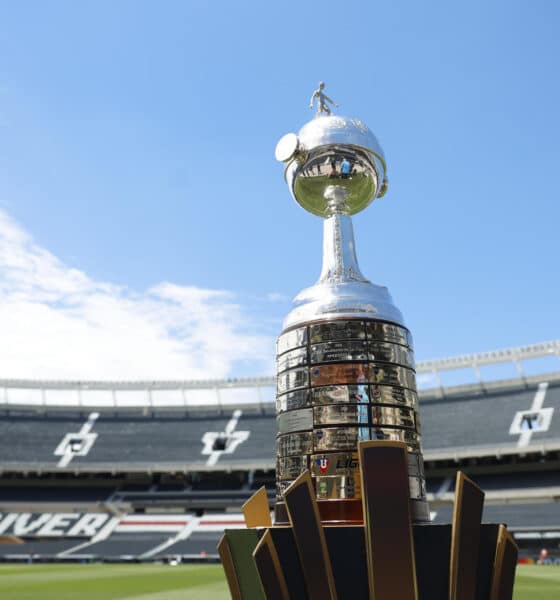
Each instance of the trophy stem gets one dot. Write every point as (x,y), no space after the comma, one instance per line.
(339,251)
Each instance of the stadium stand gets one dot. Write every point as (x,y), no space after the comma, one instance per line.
(146,470)
(45,548)
(195,545)
(28,441)
(123,545)
(469,423)
(465,425)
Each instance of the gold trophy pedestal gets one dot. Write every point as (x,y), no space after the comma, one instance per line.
(386,557)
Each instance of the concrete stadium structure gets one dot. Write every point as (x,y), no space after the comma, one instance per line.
(126,452)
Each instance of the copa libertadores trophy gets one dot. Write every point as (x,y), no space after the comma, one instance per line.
(351,512)
(345,360)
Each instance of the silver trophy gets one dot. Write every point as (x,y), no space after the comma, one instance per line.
(345,360)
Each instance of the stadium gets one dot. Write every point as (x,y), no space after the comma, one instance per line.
(155,471)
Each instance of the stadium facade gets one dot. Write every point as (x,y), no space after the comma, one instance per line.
(148,470)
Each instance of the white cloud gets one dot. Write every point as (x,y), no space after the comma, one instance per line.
(57,323)
(277,297)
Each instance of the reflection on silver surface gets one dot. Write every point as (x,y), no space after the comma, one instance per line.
(351,169)
(294,444)
(291,359)
(356,373)
(385,394)
(411,439)
(296,378)
(292,400)
(340,414)
(333,394)
(281,487)
(420,511)
(317,160)
(388,332)
(392,353)
(339,438)
(381,394)
(291,339)
(295,420)
(417,488)
(347,394)
(339,487)
(291,467)
(394,416)
(339,351)
(391,375)
(339,373)
(334,463)
(348,486)
(337,330)
(415,465)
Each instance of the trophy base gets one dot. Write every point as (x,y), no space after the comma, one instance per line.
(492,570)
(385,557)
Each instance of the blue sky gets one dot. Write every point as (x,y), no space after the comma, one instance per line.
(142,211)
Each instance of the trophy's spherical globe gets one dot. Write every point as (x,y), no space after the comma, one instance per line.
(334,151)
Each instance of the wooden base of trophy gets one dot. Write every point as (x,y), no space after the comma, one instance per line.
(385,558)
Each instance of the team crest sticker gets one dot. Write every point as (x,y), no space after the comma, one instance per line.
(323,464)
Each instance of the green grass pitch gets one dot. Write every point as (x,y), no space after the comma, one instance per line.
(183,582)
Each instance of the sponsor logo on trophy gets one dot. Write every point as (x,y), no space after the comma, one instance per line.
(323,464)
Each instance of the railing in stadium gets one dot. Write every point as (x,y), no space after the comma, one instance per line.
(435,377)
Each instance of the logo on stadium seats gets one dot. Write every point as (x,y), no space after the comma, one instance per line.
(323,464)
(534,420)
(217,443)
(77,444)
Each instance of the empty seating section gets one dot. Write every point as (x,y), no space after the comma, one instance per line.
(124,544)
(434,485)
(528,480)
(187,499)
(517,517)
(53,494)
(134,441)
(198,543)
(479,420)
(484,419)
(41,548)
